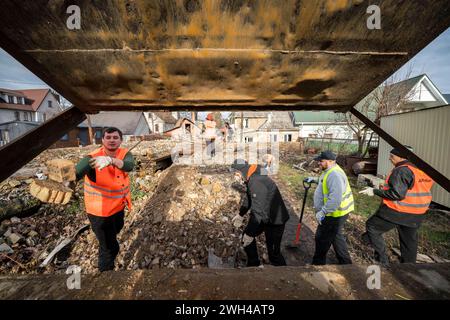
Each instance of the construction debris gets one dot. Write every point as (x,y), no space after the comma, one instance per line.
(187,217)
(50,191)
(61,170)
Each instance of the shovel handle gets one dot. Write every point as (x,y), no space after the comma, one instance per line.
(297,234)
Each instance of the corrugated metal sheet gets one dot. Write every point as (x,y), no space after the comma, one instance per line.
(428,132)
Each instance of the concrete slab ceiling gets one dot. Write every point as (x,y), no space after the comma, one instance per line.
(217,55)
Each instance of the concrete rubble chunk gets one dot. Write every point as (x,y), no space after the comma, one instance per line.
(14,238)
(61,170)
(4,248)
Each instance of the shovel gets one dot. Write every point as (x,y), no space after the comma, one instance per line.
(307,186)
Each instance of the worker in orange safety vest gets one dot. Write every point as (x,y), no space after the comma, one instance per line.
(107,193)
(406,196)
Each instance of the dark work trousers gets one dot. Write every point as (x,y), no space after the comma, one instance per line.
(330,233)
(273,234)
(106,230)
(377,226)
(211,147)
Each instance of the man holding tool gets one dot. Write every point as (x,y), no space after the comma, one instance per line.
(333,201)
(268,213)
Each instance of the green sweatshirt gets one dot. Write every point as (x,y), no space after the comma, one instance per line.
(83,168)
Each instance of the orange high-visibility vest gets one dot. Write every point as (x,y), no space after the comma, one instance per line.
(251,170)
(418,198)
(111,191)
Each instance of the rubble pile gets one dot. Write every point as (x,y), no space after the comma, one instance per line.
(189,213)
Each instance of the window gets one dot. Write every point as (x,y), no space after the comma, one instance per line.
(44,116)
(312,135)
(17,115)
(245,123)
(98,134)
(4,136)
(273,138)
(25,116)
(19,100)
(287,137)
(156,128)
(65,137)
(248,139)
(10,99)
(50,104)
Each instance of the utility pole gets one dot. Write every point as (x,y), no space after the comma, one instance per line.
(90,132)
(242,125)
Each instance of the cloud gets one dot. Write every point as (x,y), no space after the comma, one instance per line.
(434,60)
(14,75)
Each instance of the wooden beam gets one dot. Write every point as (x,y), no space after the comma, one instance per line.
(22,150)
(438,177)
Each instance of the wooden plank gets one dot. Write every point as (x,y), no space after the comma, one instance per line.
(438,177)
(20,151)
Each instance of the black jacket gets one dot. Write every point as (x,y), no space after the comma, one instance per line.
(400,180)
(264,201)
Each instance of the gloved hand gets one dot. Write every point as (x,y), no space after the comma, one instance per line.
(368,191)
(237,221)
(311,180)
(320,216)
(102,162)
(246,240)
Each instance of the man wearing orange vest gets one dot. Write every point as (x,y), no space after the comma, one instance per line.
(406,197)
(107,193)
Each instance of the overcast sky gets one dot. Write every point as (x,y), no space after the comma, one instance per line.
(434,60)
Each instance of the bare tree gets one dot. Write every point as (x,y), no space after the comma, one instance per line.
(390,97)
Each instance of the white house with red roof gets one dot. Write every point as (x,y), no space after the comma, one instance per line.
(23,110)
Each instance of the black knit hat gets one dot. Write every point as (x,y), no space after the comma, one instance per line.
(399,153)
(240,165)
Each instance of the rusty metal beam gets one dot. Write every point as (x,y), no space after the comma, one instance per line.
(20,151)
(218,107)
(438,177)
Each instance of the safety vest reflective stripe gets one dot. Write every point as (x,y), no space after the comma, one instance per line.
(347,204)
(104,196)
(418,198)
(413,205)
(123,190)
(419,194)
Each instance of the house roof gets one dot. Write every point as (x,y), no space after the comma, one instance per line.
(126,121)
(166,116)
(179,123)
(279,121)
(14,92)
(314,116)
(252,114)
(37,95)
